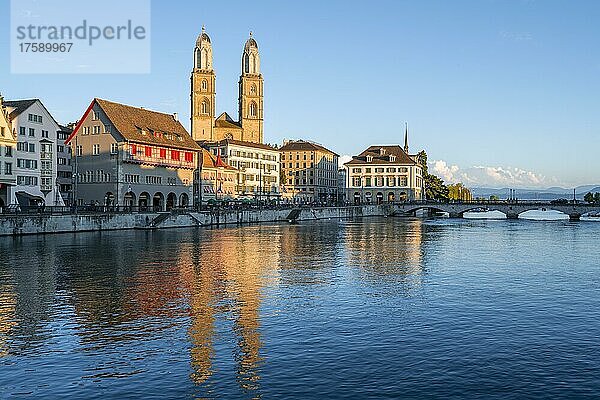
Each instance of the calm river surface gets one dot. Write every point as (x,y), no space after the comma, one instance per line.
(378,308)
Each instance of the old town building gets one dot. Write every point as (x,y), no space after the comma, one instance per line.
(219,180)
(64,169)
(205,126)
(133,157)
(310,172)
(384,174)
(8,147)
(35,158)
(257,165)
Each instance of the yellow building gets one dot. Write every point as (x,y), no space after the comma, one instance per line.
(8,144)
(219,179)
(309,172)
(205,127)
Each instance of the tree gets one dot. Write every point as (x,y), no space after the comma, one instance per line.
(597,198)
(589,197)
(494,198)
(457,191)
(434,186)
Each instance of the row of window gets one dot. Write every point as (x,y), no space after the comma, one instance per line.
(95,130)
(27,147)
(380,170)
(132,178)
(23,130)
(27,164)
(156,152)
(320,182)
(35,118)
(244,154)
(98,176)
(389,181)
(27,180)
(247,164)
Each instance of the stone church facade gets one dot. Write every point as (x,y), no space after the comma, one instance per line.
(205,126)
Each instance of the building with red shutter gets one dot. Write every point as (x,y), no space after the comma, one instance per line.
(130,156)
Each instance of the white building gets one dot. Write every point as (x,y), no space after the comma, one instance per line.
(257,165)
(384,174)
(35,160)
(8,147)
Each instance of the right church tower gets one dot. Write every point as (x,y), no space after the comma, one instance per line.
(251,94)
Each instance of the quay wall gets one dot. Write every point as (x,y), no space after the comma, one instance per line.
(16,225)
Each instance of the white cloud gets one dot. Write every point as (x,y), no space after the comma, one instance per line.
(491,176)
(343,159)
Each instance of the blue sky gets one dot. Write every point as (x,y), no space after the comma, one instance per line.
(499,93)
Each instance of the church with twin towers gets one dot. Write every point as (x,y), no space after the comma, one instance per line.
(205,126)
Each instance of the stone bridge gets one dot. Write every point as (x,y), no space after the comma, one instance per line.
(510,209)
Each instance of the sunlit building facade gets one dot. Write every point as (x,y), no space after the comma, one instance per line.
(130,156)
(8,147)
(309,171)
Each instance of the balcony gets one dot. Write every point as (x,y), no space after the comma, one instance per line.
(163,162)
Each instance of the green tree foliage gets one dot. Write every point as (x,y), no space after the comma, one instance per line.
(458,191)
(592,198)
(494,198)
(434,186)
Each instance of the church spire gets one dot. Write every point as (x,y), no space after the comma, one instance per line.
(406,137)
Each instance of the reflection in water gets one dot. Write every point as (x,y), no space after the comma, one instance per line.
(316,310)
(387,251)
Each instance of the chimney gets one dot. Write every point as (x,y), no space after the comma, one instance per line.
(175,117)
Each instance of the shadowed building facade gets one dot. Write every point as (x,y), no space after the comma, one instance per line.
(205,126)
(133,157)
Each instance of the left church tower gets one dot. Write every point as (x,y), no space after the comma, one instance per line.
(203,93)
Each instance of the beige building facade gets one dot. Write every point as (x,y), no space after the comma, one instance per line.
(309,172)
(219,180)
(384,174)
(205,125)
(257,167)
(8,146)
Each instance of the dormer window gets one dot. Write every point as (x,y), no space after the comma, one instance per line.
(392,158)
(369,158)
(382,151)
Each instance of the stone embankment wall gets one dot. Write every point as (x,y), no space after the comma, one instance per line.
(15,225)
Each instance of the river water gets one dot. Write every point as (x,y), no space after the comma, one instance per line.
(378,308)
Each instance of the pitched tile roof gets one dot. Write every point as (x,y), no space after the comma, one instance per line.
(19,106)
(378,158)
(302,145)
(225,121)
(130,122)
(209,161)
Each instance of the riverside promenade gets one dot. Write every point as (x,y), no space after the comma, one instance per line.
(48,222)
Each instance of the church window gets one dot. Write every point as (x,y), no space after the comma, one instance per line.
(205,107)
(253,109)
(253,89)
(204,85)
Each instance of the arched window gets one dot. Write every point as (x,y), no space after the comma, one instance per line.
(253,64)
(205,107)
(253,89)
(198,58)
(246,63)
(204,85)
(253,109)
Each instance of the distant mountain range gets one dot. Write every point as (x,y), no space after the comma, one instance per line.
(537,194)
